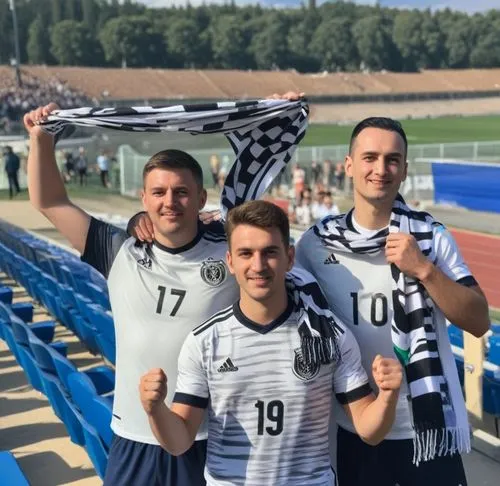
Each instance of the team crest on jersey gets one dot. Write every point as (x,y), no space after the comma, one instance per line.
(301,370)
(213,272)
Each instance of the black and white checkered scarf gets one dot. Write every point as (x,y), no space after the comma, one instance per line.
(264,135)
(437,404)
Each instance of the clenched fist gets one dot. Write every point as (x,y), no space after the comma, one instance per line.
(388,375)
(153,389)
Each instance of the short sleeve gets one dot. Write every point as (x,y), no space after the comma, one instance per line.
(192,382)
(350,381)
(449,259)
(102,245)
(301,252)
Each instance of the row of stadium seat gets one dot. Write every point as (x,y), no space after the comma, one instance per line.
(74,293)
(82,400)
(492,352)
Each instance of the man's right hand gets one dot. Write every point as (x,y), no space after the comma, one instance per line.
(153,390)
(33,118)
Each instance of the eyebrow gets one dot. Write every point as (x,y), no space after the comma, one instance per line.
(392,154)
(162,188)
(272,247)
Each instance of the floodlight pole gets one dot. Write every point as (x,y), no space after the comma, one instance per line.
(12,7)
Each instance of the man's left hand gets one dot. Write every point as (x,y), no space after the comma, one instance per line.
(402,250)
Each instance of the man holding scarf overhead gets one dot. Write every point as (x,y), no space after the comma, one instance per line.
(159,292)
(394,276)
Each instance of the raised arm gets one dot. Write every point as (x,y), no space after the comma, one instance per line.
(373,417)
(463,303)
(45,184)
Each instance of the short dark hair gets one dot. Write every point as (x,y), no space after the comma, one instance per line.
(381,122)
(262,214)
(174,159)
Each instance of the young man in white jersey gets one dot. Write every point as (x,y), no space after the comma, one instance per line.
(358,258)
(158,292)
(268,412)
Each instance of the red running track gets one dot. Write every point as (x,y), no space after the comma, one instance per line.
(482,254)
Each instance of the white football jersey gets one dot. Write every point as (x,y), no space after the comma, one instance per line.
(158,296)
(268,413)
(358,288)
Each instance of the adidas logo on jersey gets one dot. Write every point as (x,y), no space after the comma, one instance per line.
(145,262)
(227,366)
(330,260)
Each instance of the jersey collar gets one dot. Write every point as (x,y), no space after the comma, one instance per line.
(181,249)
(259,327)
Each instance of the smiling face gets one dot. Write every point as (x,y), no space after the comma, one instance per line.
(259,260)
(377,165)
(173,199)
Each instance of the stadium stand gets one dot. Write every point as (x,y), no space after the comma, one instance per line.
(164,84)
(36,265)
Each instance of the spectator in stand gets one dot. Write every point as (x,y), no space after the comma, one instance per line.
(15,101)
(328,208)
(81,165)
(69,165)
(215,169)
(299,181)
(12,165)
(303,212)
(103,164)
(339,176)
(224,169)
(327,173)
(315,173)
(317,204)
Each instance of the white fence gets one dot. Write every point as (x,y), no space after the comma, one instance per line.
(417,186)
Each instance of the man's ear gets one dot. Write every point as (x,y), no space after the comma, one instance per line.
(229,262)
(348,165)
(203,199)
(291,257)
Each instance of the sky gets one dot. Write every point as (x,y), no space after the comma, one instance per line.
(464,5)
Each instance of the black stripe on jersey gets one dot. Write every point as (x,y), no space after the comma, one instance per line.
(353,395)
(468,281)
(218,317)
(214,237)
(193,400)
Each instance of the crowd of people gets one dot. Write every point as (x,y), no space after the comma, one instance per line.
(16,100)
(75,167)
(219,319)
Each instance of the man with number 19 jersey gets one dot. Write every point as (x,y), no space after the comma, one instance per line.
(158,295)
(268,413)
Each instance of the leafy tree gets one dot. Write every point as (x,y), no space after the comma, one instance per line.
(269,45)
(229,44)
(334,46)
(374,43)
(38,47)
(133,42)
(186,46)
(73,45)
(486,51)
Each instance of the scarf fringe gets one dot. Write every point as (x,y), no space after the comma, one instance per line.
(431,443)
(320,350)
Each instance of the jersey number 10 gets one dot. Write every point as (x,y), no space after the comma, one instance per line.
(378,309)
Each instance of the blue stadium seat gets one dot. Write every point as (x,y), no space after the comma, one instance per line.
(491,398)
(6,294)
(494,352)
(456,336)
(12,475)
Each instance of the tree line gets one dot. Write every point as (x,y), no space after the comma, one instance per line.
(337,36)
